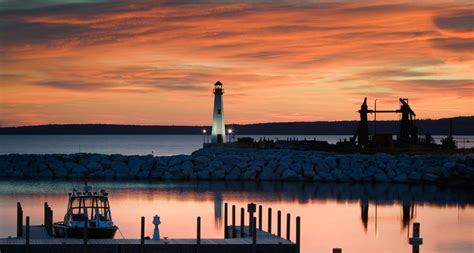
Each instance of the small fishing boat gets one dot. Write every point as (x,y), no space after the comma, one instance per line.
(88,212)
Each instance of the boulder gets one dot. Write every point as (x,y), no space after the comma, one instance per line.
(218,174)
(267,173)
(201,160)
(118,158)
(45,174)
(134,164)
(120,168)
(381,177)
(77,170)
(331,161)
(414,176)
(187,169)
(309,174)
(289,175)
(430,177)
(449,166)
(143,174)
(250,173)
(94,166)
(344,163)
(234,174)
(400,178)
(204,175)
(60,172)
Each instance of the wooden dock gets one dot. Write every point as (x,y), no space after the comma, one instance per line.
(237,239)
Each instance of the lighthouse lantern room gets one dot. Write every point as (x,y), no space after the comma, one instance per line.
(218,127)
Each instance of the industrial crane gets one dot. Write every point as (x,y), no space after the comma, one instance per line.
(408,130)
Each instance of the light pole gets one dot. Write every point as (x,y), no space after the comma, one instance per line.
(204,135)
(229,131)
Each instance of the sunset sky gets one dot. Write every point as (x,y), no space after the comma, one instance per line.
(155,62)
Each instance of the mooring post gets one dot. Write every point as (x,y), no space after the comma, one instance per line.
(260,210)
(279,223)
(269,220)
(48,218)
(50,221)
(234,231)
(45,216)
(288,224)
(198,235)
(242,222)
(142,234)
(27,233)
(254,235)
(337,250)
(226,232)
(45,213)
(19,220)
(251,208)
(298,230)
(86,221)
(415,240)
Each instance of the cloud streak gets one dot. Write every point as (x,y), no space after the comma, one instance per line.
(267,52)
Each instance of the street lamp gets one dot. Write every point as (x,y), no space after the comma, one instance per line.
(229,131)
(204,135)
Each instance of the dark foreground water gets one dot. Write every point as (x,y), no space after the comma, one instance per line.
(357,217)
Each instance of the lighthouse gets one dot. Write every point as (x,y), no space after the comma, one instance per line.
(218,127)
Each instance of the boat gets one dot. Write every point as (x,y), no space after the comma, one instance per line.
(88,214)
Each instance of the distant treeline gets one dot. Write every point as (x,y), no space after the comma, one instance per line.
(460,126)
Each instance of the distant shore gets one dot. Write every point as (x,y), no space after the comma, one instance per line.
(460,126)
(248,165)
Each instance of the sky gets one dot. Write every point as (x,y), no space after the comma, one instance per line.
(153,62)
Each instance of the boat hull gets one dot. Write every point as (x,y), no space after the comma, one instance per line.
(63,231)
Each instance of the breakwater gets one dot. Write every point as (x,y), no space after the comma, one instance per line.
(247,165)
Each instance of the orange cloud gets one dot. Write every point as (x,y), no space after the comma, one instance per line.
(154,62)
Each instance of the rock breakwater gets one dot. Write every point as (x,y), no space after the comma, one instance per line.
(248,165)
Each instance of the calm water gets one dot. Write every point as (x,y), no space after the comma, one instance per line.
(332,214)
(136,144)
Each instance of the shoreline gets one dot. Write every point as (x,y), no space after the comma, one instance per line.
(232,164)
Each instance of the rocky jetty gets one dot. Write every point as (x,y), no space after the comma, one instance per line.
(247,165)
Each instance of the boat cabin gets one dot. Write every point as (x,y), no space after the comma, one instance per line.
(92,207)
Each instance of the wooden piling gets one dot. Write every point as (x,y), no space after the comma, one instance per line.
(142,234)
(198,235)
(242,222)
(226,233)
(337,250)
(234,231)
(45,214)
(269,230)
(416,240)
(260,217)
(19,220)
(27,232)
(288,224)
(279,223)
(86,223)
(254,235)
(298,234)
(48,219)
(251,208)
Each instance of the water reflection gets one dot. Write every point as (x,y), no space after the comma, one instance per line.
(376,216)
(218,210)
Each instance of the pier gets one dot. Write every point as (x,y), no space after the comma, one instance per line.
(238,238)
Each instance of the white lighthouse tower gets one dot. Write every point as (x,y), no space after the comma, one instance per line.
(218,127)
